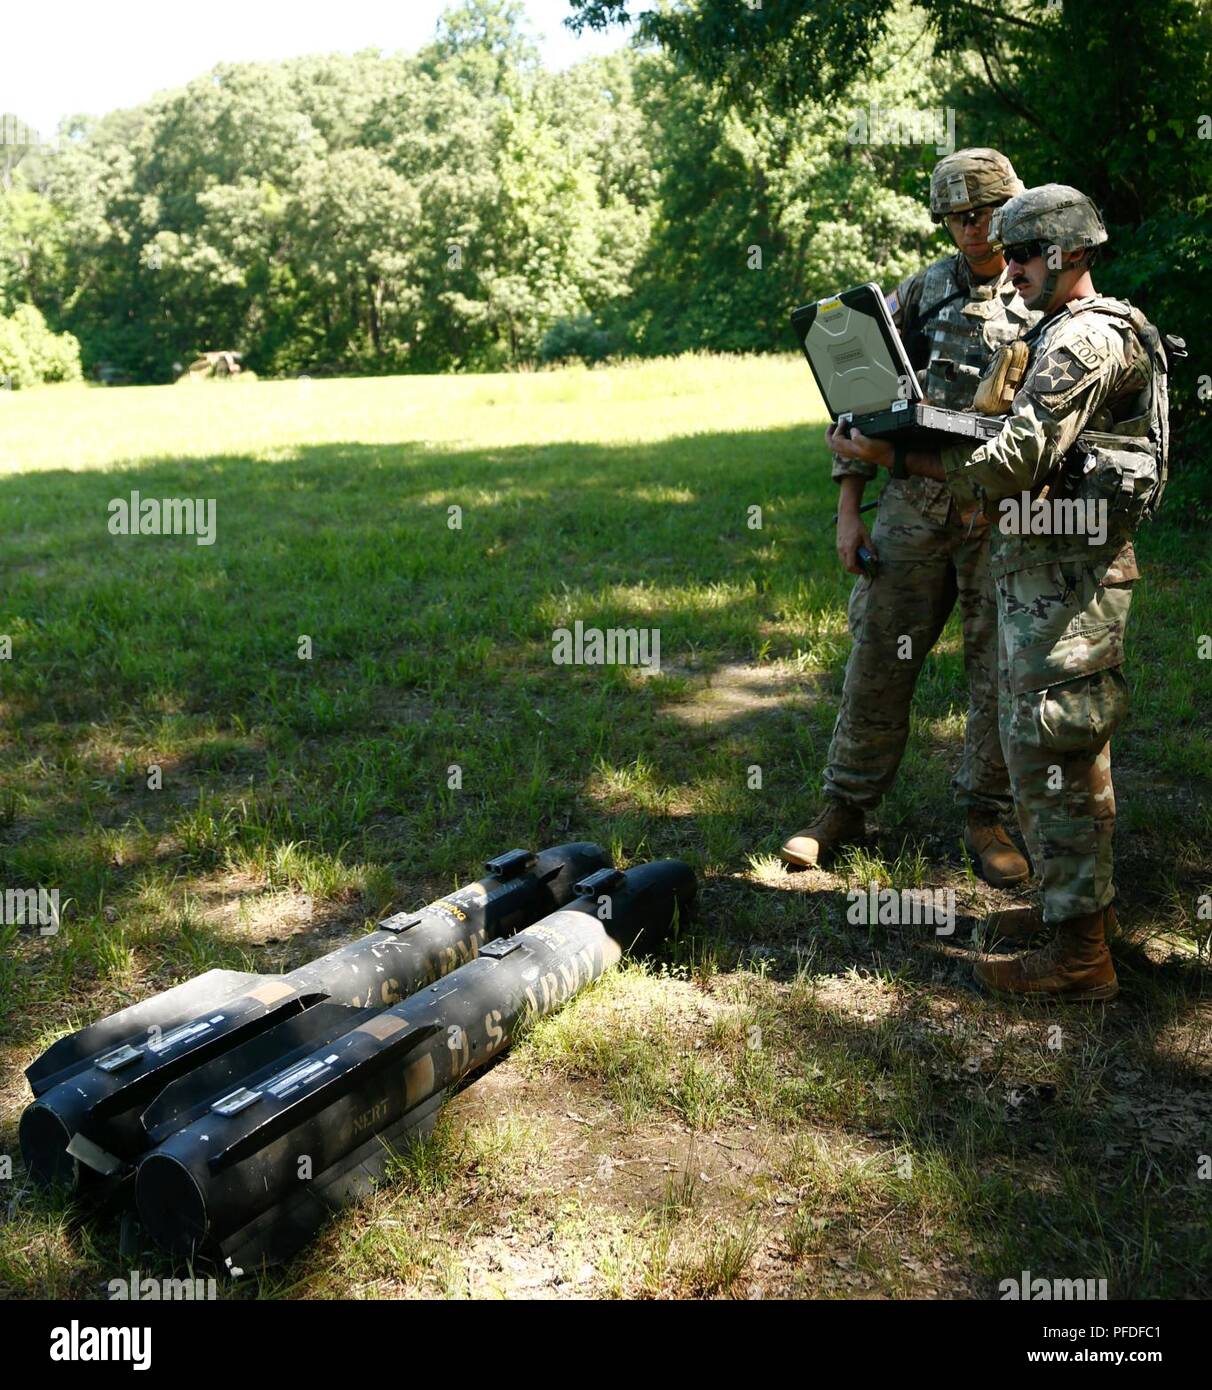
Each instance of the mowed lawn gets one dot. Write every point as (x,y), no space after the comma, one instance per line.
(786,1104)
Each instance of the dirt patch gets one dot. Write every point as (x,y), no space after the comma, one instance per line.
(736,693)
(1184,1044)
(243,910)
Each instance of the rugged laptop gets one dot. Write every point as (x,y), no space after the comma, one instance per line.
(865,377)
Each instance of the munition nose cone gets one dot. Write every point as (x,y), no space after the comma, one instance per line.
(170,1204)
(44,1140)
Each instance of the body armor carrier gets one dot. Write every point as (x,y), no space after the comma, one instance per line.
(1121,459)
(962,325)
(1128,463)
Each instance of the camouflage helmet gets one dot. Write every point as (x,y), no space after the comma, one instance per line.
(1053,213)
(971,179)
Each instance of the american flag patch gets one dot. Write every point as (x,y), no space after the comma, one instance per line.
(893,301)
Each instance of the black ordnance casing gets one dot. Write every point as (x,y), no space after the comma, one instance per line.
(93,1087)
(222,1182)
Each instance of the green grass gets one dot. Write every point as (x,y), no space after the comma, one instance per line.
(314,793)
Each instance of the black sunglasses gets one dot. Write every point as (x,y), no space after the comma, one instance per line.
(970,218)
(1023,251)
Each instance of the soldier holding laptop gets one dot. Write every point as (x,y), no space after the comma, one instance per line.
(952,316)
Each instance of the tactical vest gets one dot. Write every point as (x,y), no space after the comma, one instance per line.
(964,324)
(1124,466)
(1129,464)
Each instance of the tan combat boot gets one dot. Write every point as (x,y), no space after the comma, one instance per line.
(1000,864)
(1014,924)
(838,825)
(1019,923)
(1075,966)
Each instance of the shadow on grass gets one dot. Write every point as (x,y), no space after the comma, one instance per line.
(430,650)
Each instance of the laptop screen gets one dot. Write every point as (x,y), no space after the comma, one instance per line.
(855,352)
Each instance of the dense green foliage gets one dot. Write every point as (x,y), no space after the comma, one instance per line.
(462,208)
(1115,99)
(356,214)
(30,353)
(450,209)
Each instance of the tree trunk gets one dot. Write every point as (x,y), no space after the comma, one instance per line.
(376,290)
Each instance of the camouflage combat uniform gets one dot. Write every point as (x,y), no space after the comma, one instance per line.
(1062,602)
(931,552)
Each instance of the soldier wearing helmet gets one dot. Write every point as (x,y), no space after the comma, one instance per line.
(1088,425)
(952,316)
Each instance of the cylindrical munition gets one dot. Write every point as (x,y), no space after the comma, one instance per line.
(93,1086)
(252,1165)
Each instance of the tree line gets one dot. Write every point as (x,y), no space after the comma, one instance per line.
(450,209)
(462,208)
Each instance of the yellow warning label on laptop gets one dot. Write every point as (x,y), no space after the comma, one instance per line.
(828,304)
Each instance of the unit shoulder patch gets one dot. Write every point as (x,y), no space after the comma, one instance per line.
(1060,369)
(1090,352)
(1060,377)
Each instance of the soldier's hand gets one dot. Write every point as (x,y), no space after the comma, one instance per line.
(851,533)
(854,444)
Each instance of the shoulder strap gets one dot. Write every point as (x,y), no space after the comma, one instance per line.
(1159,395)
(940,304)
(951,285)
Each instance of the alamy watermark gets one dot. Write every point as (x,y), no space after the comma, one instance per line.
(16,141)
(1027,1288)
(148,1289)
(167,516)
(83,1343)
(894,125)
(892,907)
(16,134)
(31,907)
(613,646)
(1054,516)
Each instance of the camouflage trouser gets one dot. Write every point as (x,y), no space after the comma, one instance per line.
(924,566)
(1054,619)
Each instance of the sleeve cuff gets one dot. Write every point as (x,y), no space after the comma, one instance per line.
(955,459)
(852,468)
